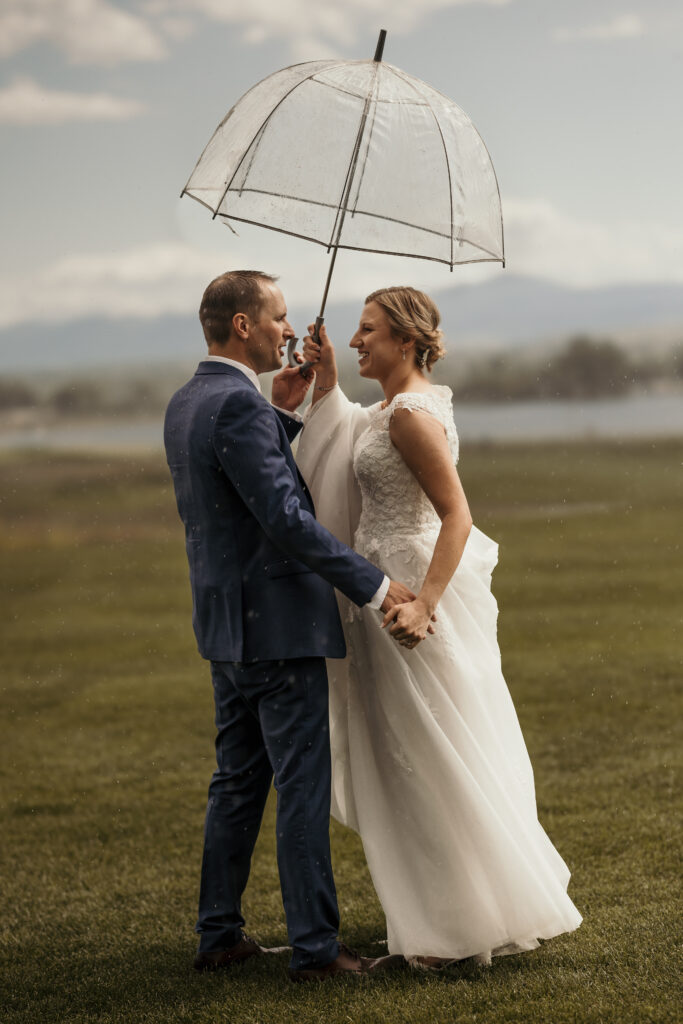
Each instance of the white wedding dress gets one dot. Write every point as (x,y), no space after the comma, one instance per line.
(429,763)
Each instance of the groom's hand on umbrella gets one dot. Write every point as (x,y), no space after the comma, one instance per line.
(290,386)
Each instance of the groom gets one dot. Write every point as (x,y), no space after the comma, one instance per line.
(262,572)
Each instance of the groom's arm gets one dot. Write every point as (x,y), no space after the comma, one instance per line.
(289,388)
(247,442)
(291,421)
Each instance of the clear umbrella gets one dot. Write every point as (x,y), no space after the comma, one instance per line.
(355,155)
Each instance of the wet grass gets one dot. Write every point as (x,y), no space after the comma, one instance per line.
(107,751)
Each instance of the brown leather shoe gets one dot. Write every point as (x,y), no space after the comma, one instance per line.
(347,962)
(223,958)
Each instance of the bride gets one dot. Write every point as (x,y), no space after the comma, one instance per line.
(429,763)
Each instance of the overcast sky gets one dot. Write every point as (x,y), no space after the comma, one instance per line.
(106,105)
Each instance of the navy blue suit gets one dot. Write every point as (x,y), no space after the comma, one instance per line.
(262,573)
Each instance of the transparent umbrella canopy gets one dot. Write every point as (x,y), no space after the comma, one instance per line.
(355,155)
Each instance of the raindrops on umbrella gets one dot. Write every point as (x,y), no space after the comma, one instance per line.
(355,155)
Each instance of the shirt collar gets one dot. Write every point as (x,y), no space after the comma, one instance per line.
(246,370)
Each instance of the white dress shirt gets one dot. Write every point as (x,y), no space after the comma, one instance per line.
(376,601)
(250,375)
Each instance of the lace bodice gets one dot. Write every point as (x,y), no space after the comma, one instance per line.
(396,512)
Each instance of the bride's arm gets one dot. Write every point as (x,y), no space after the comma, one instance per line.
(324,362)
(325,453)
(421,441)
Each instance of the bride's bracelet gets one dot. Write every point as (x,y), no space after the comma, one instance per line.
(319,387)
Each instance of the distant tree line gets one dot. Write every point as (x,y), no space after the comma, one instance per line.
(80,398)
(583,368)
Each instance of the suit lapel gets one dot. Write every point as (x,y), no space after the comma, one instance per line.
(207,367)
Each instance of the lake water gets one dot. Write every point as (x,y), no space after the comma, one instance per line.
(637,416)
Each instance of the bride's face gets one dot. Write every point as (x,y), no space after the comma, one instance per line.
(378,349)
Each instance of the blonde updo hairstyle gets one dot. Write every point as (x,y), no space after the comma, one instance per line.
(413,315)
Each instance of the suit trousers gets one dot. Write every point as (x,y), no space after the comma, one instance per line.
(272,721)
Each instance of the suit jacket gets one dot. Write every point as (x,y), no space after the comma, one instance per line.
(262,569)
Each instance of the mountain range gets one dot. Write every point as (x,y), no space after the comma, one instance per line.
(508,311)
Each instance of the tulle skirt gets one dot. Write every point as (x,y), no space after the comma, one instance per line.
(431,769)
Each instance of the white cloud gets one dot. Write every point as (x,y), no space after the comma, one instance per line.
(86,31)
(168,277)
(624,26)
(165,278)
(145,281)
(542,241)
(100,32)
(176,27)
(25,102)
(314,28)
(303,266)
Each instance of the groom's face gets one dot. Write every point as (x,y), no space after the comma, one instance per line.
(269,331)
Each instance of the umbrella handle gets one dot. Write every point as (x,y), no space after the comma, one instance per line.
(291,347)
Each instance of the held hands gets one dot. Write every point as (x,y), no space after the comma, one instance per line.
(412,619)
(290,386)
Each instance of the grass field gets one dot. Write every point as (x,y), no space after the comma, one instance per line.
(107,751)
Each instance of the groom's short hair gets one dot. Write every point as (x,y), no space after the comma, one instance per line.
(237,291)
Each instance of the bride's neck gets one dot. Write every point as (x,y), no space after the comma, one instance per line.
(401,380)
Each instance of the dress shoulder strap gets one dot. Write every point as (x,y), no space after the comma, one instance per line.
(434,402)
(437,402)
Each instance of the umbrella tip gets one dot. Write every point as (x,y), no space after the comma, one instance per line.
(380,45)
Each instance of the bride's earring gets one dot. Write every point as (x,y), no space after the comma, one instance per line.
(403,353)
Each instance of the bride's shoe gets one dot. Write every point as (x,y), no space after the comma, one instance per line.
(430,963)
(438,963)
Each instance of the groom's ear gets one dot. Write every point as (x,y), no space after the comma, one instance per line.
(240,325)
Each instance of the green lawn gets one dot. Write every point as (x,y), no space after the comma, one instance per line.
(107,751)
